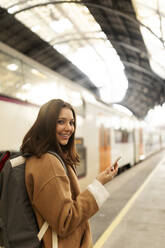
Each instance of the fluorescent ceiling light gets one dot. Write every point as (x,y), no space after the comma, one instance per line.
(26,86)
(12,67)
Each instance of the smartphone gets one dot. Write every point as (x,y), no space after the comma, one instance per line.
(115,163)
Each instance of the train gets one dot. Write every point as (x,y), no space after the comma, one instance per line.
(103,132)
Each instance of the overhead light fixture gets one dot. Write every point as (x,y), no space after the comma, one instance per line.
(26,86)
(12,67)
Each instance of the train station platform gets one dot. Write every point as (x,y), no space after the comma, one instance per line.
(141,219)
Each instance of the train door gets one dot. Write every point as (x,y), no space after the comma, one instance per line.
(138,144)
(104,147)
(141,144)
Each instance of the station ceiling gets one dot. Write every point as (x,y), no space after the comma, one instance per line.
(118,21)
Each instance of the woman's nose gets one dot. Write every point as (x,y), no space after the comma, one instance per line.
(68,126)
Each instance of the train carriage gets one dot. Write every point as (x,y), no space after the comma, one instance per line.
(103,132)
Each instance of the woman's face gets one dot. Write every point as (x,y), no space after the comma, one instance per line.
(65,126)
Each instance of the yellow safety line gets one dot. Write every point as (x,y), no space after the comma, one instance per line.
(123,212)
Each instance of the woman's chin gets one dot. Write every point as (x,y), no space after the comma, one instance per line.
(64,143)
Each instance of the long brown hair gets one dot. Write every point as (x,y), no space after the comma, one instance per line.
(41,137)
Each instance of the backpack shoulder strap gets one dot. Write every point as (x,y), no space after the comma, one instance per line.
(17,161)
(62,162)
(60,159)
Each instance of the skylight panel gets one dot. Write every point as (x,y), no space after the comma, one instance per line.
(73,32)
(152,15)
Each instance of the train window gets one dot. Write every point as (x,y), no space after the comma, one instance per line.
(118,136)
(81,169)
(11,74)
(25,81)
(122,136)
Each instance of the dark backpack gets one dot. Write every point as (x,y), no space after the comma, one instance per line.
(18,226)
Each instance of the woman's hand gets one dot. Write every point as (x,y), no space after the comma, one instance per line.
(107,175)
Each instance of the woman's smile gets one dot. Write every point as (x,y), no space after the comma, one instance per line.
(65,126)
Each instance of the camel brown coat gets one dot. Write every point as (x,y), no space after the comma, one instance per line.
(56,198)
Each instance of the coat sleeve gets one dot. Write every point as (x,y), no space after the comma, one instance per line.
(54,203)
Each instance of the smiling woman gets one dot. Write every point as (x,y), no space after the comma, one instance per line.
(53,192)
(54,129)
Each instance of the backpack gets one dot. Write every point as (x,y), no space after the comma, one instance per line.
(18,225)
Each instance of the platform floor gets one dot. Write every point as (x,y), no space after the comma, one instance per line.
(134,215)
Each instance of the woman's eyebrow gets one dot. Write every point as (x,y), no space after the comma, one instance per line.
(64,118)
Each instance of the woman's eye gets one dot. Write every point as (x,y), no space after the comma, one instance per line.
(72,123)
(60,122)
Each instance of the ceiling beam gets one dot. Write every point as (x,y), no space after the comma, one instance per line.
(141,69)
(93,5)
